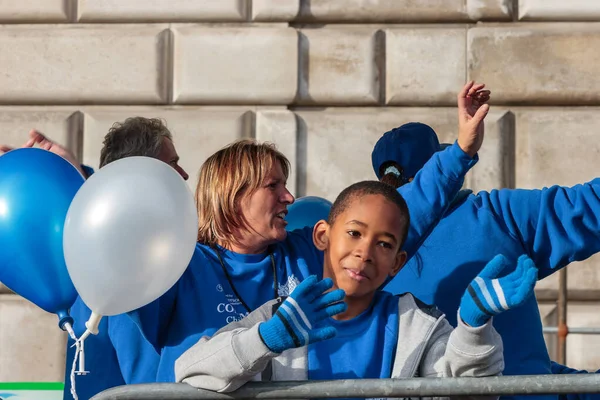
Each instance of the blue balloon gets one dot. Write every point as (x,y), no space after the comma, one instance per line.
(307,211)
(36,189)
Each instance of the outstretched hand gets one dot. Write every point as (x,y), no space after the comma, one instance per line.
(38,138)
(472,109)
(488,295)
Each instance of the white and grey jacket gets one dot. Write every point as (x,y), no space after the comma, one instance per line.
(428,346)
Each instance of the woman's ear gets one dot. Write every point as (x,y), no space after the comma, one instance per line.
(321,235)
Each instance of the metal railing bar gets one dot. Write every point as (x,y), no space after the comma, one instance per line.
(413,387)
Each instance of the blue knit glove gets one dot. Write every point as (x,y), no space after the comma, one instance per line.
(294,323)
(488,295)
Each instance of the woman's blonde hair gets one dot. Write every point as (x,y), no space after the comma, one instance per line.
(227,176)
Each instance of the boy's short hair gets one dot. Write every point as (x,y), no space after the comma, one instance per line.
(365,188)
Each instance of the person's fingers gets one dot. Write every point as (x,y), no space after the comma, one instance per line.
(481,113)
(37,136)
(41,139)
(29,143)
(494,268)
(475,88)
(465,90)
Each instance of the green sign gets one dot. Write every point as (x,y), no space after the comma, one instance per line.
(31,391)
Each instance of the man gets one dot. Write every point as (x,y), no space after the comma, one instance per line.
(119,354)
(554,226)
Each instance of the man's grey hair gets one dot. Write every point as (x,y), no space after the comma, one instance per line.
(136,136)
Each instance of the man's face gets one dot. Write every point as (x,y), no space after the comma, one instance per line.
(168,154)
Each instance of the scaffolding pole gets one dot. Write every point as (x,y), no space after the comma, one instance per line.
(365,388)
(575,331)
(563,330)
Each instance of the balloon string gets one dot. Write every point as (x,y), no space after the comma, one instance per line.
(77,351)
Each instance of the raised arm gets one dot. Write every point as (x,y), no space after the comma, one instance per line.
(38,138)
(437,183)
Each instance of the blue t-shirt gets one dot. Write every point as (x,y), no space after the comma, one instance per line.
(364,346)
(554,226)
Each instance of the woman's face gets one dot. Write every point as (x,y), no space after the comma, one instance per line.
(265,211)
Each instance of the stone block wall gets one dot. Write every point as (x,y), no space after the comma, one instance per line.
(321,78)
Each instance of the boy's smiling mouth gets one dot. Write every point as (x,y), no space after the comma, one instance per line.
(356,274)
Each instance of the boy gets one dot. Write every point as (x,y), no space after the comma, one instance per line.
(372,334)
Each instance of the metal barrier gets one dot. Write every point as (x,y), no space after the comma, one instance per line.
(365,388)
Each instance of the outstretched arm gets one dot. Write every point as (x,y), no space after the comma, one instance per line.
(555,225)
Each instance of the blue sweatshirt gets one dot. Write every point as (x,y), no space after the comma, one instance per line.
(554,226)
(561,369)
(203,301)
(136,361)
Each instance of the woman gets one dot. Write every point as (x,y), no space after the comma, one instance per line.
(245,257)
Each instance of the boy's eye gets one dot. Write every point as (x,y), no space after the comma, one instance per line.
(385,245)
(354,233)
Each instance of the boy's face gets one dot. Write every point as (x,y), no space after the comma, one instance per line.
(362,247)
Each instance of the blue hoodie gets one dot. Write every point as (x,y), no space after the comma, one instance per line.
(203,300)
(554,226)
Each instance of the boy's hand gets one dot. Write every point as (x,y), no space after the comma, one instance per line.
(472,109)
(488,295)
(294,323)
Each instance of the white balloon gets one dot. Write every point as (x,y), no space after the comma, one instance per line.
(129,234)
